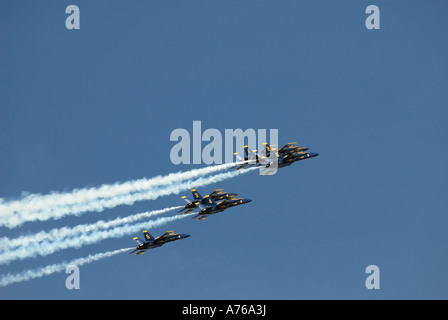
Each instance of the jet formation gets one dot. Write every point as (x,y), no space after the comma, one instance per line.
(268,160)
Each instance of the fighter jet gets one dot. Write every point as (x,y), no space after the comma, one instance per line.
(212,207)
(151,242)
(215,195)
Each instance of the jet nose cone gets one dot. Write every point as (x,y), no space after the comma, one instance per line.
(185,235)
(247,200)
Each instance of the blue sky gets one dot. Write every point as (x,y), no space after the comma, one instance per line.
(97,105)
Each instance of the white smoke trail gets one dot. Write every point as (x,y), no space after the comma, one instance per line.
(57,234)
(49,247)
(57,205)
(26,275)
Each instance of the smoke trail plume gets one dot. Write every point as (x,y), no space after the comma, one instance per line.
(26,275)
(49,247)
(57,234)
(37,207)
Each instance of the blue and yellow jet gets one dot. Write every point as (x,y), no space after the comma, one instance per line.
(151,242)
(216,195)
(212,207)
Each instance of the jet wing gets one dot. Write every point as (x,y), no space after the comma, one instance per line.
(264,161)
(166,234)
(187,210)
(199,217)
(287,146)
(189,203)
(224,202)
(140,251)
(267,171)
(269,165)
(298,153)
(242,164)
(217,191)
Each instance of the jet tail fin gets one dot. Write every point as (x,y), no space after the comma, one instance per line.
(246,153)
(138,240)
(267,149)
(186,199)
(210,201)
(148,236)
(238,157)
(250,155)
(196,195)
(199,217)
